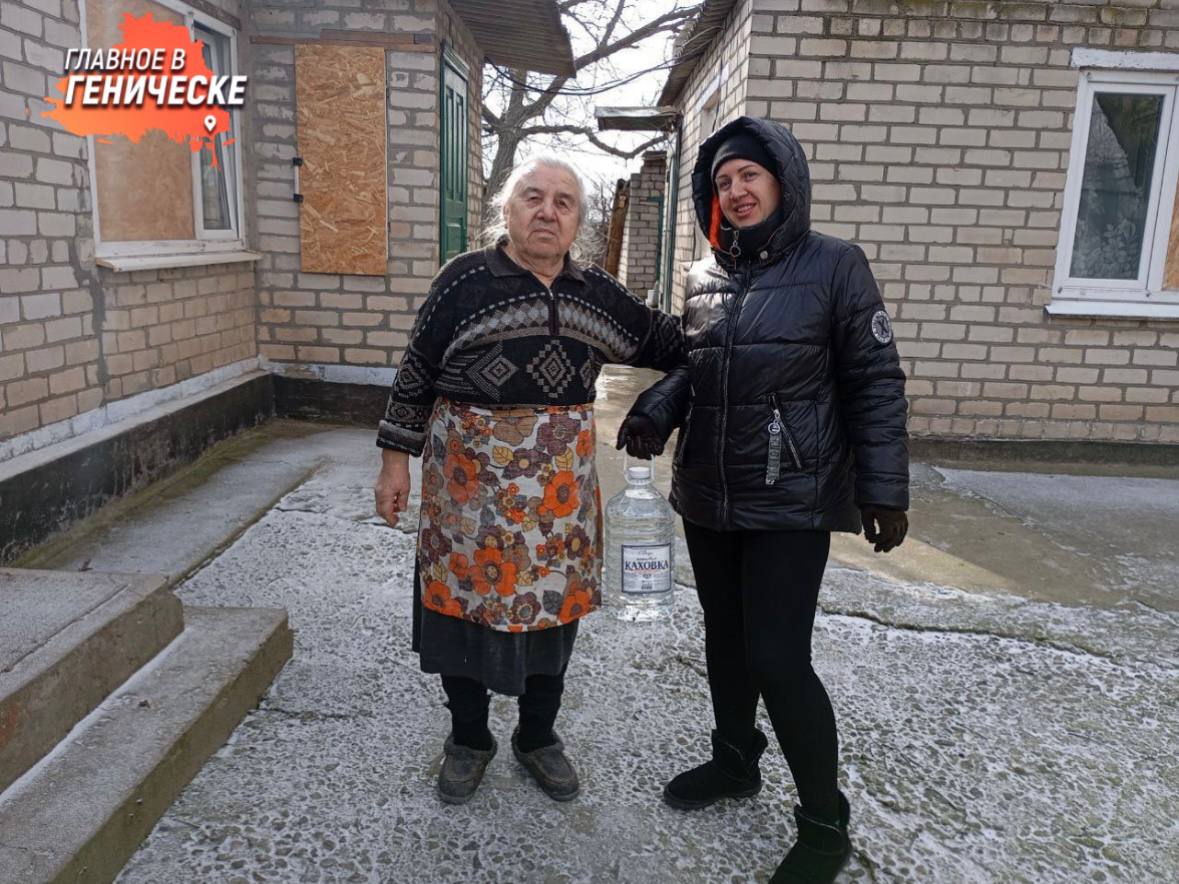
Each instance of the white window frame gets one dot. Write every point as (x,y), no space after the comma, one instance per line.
(235,185)
(1143,297)
(210,244)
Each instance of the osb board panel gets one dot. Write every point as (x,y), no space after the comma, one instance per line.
(128,211)
(1171,271)
(340,94)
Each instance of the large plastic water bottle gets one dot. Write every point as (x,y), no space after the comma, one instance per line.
(640,550)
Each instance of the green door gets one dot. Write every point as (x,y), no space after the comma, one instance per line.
(454,157)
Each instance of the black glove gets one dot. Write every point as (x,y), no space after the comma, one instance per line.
(884,527)
(639,437)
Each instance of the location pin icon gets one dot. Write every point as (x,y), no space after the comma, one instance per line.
(210,122)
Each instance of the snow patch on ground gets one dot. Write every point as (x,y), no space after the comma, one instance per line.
(984,738)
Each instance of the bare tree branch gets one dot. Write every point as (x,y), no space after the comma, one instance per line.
(665,22)
(570,4)
(609,32)
(590,135)
(525,107)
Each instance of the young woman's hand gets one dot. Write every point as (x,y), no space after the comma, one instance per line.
(886,528)
(639,437)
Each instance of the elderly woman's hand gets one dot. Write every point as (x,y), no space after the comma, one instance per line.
(884,527)
(393,486)
(639,437)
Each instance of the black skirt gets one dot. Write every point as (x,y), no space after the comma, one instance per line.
(500,661)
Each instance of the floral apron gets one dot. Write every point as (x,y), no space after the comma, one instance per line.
(510,535)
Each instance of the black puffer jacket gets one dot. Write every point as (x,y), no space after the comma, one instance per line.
(800,329)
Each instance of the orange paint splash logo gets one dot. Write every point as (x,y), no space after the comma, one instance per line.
(156,78)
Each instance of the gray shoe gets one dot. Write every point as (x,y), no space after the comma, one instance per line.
(550,767)
(462,770)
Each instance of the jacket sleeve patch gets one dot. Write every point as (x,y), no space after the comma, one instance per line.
(881,327)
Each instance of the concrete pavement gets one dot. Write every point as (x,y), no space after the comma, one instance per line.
(1007,688)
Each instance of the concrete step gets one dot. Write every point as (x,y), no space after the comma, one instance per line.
(82,810)
(67,640)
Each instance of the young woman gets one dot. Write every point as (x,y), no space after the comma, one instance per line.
(791,411)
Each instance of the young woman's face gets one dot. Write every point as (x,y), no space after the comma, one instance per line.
(748,193)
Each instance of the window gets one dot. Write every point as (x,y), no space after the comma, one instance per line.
(218,188)
(192,212)
(1115,256)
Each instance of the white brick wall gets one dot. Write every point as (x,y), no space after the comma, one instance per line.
(938,135)
(730,50)
(641,253)
(74,337)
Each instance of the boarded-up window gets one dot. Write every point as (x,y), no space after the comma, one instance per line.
(156,196)
(1171,276)
(343,219)
(127,210)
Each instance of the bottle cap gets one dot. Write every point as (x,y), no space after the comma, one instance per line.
(638,474)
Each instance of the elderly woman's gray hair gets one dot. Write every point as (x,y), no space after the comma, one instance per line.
(496,227)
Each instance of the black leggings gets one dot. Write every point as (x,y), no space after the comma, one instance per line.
(759,590)
(468,701)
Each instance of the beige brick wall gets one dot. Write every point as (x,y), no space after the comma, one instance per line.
(162,327)
(340,318)
(74,336)
(939,135)
(639,263)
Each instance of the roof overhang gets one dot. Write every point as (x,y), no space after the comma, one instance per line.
(692,45)
(636,119)
(523,34)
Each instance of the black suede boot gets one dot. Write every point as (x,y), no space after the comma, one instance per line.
(462,770)
(821,851)
(550,767)
(730,774)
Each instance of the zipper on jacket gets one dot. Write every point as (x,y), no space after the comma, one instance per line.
(742,286)
(552,312)
(778,429)
(774,452)
(682,442)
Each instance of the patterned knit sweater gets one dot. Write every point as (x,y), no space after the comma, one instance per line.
(492,334)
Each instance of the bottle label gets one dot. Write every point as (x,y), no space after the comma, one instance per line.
(646,568)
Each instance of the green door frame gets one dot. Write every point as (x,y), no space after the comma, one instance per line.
(453,155)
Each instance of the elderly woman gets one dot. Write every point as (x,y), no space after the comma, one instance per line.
(791,406)
(495,392)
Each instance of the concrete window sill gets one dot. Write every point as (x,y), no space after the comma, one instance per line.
(1112,309)
(121,264)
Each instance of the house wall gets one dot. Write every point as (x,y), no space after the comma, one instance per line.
(75,337)
(731,49)
(624,248)
(638,266)
(939,138)
(341,319)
